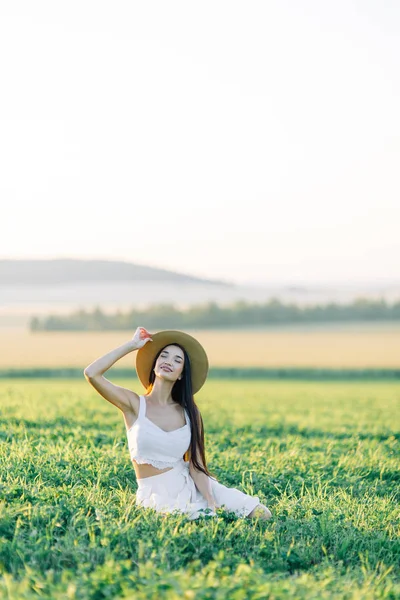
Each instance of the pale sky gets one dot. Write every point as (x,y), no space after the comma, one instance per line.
(250,141)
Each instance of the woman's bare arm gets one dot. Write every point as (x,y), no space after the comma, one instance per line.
(98,366)
(202,480)
(203,483)
(125,399)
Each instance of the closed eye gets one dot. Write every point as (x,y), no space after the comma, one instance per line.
(178,359)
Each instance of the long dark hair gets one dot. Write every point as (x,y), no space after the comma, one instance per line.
(182,394)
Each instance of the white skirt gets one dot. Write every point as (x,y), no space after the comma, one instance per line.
(175,490)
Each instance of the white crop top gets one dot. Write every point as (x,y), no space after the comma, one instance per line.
(148,443)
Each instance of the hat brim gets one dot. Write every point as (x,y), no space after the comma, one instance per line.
(197,355)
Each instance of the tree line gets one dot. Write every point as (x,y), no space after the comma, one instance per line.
(213,316)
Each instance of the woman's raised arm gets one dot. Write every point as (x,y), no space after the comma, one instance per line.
(123,398)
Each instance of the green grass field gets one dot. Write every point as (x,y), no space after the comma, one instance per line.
(324,457)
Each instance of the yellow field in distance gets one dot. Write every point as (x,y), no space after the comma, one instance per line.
(340,347)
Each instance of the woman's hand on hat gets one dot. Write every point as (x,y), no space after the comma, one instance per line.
(141,337)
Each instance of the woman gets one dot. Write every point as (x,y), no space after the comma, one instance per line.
(165,428)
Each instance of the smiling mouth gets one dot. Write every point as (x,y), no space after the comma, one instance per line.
(167,369)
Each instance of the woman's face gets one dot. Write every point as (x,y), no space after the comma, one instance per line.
(169,364)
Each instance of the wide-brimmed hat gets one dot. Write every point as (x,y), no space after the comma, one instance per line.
(198,358)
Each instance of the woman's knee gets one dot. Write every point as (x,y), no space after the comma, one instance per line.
(260,512)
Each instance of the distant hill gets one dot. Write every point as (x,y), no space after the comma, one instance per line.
(60,286)
(70,270)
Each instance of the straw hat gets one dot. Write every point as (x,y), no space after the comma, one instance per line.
(197,355)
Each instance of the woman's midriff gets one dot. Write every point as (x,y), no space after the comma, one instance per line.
(146,470)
